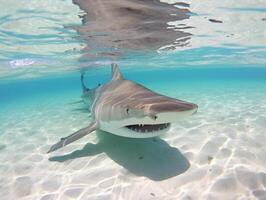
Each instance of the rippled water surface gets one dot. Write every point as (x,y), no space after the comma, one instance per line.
(210,53)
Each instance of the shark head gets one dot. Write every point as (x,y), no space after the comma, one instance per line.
(147,121)
(128,109)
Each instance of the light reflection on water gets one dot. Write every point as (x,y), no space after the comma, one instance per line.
(39,38)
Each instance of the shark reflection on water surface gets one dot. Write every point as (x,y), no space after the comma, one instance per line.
(112,27)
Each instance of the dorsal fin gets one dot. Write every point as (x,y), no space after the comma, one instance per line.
(116,75)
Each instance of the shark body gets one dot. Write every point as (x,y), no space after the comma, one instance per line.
(128,109)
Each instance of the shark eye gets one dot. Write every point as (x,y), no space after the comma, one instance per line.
(154,117)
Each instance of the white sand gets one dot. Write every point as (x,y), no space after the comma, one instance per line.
(219,153)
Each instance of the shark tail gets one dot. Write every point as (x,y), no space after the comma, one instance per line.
(84,88)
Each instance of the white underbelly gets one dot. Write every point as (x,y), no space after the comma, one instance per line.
(125,132)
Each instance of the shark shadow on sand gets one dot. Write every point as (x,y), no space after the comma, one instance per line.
(150,157)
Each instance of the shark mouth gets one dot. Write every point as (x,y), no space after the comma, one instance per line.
(148,128)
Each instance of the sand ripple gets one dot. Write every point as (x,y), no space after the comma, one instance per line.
(219,153)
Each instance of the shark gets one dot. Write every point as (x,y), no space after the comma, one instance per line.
(125,108)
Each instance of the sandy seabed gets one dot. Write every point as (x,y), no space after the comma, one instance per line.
(219,153)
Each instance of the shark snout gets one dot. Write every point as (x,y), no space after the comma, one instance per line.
(175,106)
(172,111)
(195,109)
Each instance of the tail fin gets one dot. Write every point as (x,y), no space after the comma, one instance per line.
(84,88)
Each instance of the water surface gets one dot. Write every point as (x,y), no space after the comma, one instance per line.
(213,55)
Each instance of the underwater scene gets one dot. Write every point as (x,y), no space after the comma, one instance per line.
(132,99)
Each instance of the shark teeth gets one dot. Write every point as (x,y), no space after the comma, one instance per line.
(147,128)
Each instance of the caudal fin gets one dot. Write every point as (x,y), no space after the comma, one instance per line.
(84,88)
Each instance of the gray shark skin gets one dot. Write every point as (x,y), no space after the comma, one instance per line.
(125,108)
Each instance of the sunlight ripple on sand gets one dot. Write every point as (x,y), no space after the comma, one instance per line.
(216,154)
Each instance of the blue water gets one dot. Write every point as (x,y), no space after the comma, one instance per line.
(184,79)
(219,153)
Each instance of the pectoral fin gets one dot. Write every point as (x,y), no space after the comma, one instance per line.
(74,136)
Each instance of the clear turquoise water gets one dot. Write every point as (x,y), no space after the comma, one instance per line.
(38,105)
